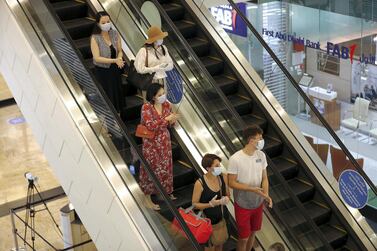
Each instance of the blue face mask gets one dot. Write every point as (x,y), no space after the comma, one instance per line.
(216,171)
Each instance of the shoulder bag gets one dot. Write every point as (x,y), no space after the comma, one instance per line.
(220,231)
(140,81)
(200,227)
(143,132)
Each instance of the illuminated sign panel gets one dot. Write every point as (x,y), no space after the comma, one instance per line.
(228,18)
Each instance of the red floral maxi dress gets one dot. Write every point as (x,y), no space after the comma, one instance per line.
(157,151)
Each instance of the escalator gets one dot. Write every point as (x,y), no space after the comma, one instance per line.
(318,206)
(77,19)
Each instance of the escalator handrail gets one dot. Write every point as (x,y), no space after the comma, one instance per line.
(194,57)
(121,124)
(305,97)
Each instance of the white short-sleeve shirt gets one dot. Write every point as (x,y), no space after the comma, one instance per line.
(249,171)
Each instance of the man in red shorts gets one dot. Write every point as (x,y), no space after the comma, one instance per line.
(248,178)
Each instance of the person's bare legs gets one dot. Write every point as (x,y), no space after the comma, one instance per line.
(241,244)
(144,95)
(250,241)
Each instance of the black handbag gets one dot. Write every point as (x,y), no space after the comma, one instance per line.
(140,81)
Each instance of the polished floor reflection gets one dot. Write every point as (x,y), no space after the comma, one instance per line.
(43,225)
(20,153)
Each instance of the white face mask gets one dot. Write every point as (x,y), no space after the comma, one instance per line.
(216,171)
(105,27)
(161,99)
(159,42)
(260,144)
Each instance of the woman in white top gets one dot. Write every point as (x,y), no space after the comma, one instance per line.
(159,60)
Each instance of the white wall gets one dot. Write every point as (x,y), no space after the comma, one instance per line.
(72,161)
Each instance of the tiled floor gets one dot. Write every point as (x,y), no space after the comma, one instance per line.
(358,148)
(4,91)
(43,225)
(20,153)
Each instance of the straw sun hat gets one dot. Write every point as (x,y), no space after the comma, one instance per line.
(154,34)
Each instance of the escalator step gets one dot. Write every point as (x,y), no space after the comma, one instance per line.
(70,9)
(214,65)
(251,119)
(242,105)
(287,168)
(133,107)
(280,196)
(80,27)
(184,197)
(199,45)
(89,63)
(227,84)
(83,45)
(296,220)
(302,188)
(273,146)
(174,11)
(335,235)
(187,28)
(183,174)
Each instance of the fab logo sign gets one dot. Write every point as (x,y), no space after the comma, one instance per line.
(228,18)
(341,51)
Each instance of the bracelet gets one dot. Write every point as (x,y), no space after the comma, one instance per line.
(210,203)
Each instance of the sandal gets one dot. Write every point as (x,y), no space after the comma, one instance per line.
(155,207)
(172,197)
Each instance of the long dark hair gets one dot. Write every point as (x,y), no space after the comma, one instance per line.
(152,91)
(96,29)
(147,46)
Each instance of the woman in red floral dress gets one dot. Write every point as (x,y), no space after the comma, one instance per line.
(157,116)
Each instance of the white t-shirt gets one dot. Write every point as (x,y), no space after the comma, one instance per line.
(249,171)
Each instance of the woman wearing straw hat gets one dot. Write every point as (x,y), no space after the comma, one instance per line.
(159,60)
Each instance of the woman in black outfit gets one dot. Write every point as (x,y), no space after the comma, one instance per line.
(106,48)
(211,194)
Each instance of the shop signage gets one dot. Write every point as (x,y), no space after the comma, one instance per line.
(174,86)
(341,51)
(344,52)
(291,38)
(353,189)
(228,18)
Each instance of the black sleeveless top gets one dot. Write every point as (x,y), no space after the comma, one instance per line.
(113,51)
(213,213)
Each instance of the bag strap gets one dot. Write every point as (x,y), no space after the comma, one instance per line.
(221,195)
(146,57)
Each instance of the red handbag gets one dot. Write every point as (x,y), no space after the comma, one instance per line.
(143,132)
(200,227)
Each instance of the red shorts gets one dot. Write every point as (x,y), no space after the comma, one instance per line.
(248,220)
